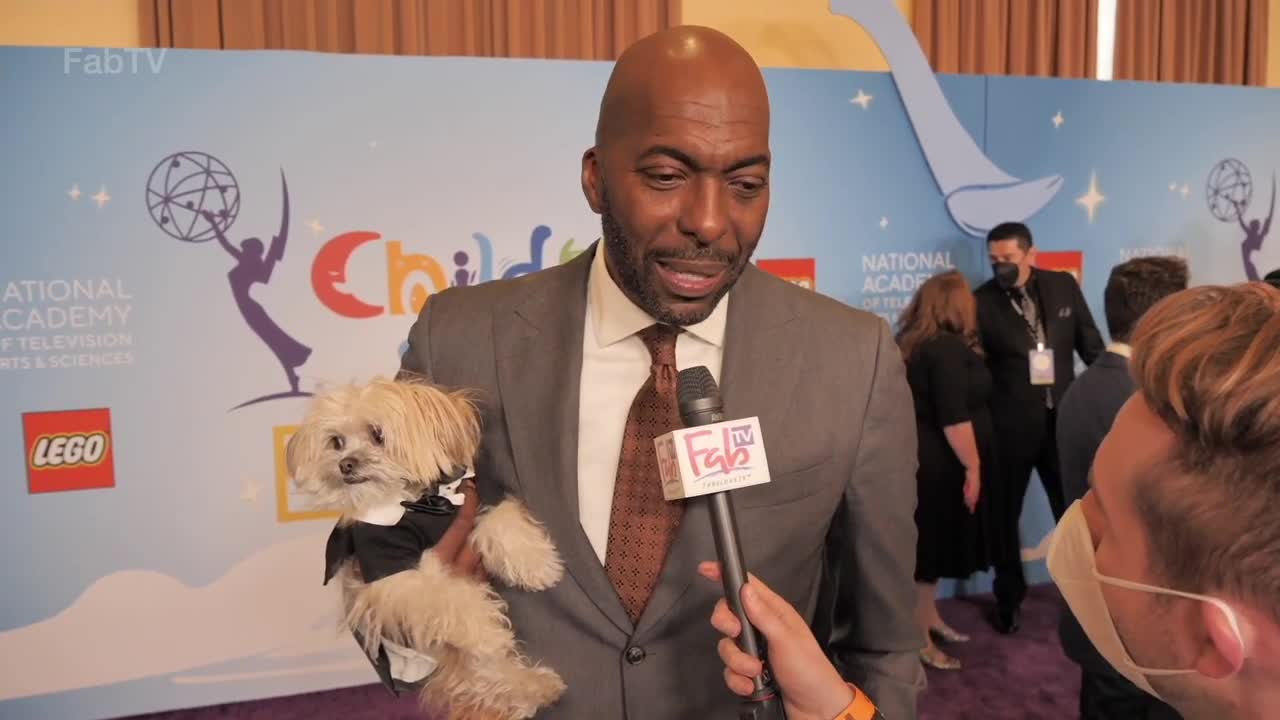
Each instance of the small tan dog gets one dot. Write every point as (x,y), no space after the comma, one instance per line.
(379,453)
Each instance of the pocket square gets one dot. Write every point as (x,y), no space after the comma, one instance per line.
(1064,312)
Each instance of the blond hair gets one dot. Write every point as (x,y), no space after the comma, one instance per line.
(1207,362)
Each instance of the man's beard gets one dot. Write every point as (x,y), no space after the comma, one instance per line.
(638,282)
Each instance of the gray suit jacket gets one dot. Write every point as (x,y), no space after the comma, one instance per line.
(830,390)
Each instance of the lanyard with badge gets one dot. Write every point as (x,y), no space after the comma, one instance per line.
(1039,360)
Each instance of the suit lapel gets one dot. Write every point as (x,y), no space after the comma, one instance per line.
(755,379)
(539,359)
(756,376)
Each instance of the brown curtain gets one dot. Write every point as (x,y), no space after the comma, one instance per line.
(565,29)
(1050,38)
(1194,41)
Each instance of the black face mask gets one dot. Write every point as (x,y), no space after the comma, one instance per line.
(1006,274)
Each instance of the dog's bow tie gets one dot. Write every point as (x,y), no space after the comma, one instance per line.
(430,504)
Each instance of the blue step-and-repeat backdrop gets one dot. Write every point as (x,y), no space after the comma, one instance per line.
(176,567)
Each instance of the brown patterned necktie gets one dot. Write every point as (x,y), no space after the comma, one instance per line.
(642,523)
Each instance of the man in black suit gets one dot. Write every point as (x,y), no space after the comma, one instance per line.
(1084,418)
(1032,323)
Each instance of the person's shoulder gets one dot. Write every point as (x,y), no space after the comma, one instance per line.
(1105,381)
(945,347)
(823,311)
(987,292)
(948,342)
(1055,278)
(487,294)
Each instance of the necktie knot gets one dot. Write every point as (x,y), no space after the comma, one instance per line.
(661,341)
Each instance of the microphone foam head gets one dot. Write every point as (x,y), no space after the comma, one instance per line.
(696,383)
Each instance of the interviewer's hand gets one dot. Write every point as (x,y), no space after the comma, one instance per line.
(453,549)
(811,687)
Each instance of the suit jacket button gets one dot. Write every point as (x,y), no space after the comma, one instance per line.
(635,655)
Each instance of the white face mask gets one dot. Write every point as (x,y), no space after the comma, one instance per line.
(1071,563)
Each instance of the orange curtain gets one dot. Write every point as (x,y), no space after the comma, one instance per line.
(564,29)
(1193,41)
(1049,38)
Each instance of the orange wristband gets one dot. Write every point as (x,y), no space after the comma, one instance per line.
(860,709)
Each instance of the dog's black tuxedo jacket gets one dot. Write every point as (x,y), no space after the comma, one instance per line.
(384,550)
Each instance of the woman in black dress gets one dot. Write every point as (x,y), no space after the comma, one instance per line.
(938,337)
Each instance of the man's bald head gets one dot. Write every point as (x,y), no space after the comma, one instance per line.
(680,171)
(687,62)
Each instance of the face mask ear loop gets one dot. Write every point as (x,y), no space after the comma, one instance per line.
(1232,618)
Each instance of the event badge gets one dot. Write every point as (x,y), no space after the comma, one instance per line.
(1041,366)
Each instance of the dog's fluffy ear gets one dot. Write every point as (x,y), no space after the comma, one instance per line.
(307,443)
(302,448)
(438,429)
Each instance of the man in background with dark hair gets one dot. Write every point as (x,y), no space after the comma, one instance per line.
(1273,278)
(1032,323)
(1085,416)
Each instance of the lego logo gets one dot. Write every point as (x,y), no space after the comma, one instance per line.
(73,450)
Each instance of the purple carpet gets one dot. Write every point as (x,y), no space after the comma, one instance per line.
(1022,677)
(1018,677)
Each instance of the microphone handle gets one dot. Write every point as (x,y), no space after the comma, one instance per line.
(764,703)
(724,528)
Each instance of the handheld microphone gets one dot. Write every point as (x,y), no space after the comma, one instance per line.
(711,456)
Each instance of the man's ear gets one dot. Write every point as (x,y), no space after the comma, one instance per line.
(1031,256)
(591,186)
(1222,653)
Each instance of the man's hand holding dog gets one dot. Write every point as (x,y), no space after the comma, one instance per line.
(453,549)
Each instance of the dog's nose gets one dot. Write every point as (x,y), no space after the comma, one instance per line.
(347,465)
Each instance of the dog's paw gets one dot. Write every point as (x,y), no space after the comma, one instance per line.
(542,686)
(495,687)
(515,548)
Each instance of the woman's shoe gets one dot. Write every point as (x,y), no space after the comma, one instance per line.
(938,660)
(948,635)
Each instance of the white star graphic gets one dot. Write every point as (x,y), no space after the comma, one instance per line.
(1186,190)
(250,493)
(74,193)
(101,198)
(1057,120)
(862,99)
(373,144)
(316,227)
(884,222)
(1173,187)
(1093,198)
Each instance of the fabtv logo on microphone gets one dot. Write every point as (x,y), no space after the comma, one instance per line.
(712,458)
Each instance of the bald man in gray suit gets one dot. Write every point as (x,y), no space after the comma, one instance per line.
(575,367)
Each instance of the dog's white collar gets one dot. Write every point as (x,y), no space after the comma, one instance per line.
(452,491)
(388,514)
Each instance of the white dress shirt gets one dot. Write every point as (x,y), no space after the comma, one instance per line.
(615,363)
(1119,348)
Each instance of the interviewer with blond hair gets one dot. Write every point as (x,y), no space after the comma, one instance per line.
(1170,561)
